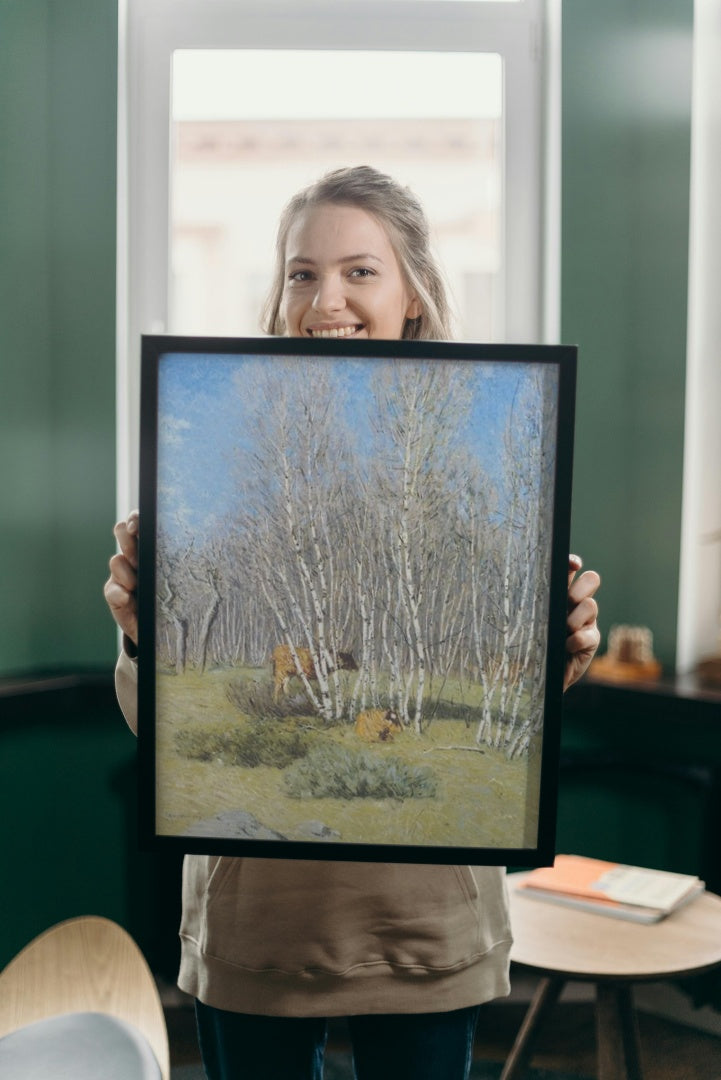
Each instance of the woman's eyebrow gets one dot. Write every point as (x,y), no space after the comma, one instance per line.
(361,257)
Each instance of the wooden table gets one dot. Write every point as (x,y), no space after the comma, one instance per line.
(563,944)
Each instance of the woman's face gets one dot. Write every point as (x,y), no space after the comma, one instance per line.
(342,277)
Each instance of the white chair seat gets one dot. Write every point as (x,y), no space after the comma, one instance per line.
(78,1046)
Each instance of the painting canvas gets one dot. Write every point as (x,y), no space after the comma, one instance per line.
(353,573)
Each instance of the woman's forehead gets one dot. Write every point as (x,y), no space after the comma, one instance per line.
(336,230)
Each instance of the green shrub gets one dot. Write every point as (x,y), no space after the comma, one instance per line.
(259,743)
(336,773)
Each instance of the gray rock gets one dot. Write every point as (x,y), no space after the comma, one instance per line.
(233,825)
(317,830)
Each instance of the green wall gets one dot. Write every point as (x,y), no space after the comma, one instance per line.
(625,200)
(58,71)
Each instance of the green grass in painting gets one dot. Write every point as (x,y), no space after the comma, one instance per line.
(481,799)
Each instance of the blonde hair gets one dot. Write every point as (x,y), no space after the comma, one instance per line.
(403,217)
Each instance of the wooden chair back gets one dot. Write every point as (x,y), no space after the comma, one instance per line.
(87,964)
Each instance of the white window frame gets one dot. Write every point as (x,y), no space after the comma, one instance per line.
(699,597)
(526,34)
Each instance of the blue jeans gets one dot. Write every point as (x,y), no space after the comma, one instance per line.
(415,1046)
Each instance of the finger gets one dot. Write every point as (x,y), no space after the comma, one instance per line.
(122,572)
(583,641)
(126,534)
(123,608)
(584,613)
(575,563)
(586,585)
(119,599)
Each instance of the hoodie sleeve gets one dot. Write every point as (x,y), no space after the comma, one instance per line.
(126,688)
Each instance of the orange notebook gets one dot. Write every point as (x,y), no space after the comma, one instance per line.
(631,892)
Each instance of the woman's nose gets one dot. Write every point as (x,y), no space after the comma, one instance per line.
(329,294)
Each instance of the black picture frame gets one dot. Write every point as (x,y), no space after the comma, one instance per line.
(388,522)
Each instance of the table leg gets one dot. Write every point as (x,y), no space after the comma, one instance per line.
(545,997)
(617,1033)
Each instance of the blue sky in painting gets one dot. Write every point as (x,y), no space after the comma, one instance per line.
(205,423)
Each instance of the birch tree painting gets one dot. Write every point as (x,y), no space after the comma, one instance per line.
(361,539)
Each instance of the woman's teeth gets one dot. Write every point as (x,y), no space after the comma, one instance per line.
(336,332)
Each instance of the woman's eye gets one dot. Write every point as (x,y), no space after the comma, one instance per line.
(300,276)
(362,272)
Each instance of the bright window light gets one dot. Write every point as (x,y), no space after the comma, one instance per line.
(220,84)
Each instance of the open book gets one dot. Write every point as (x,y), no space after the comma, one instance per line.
(608,888)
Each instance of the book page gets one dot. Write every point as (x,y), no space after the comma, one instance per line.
(652,888)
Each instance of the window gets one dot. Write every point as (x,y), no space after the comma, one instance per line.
(236,160)
(227,107)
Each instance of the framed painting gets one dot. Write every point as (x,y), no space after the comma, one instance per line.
(352,597)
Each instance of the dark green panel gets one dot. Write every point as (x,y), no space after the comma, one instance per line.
(63,786)
(626,147)
(626,817)
(26,395)
(58,75)
(69,801)
(82,273)
(641,777)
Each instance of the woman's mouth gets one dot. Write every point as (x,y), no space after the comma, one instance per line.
(335,331)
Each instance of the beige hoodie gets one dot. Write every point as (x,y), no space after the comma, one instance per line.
(284,937)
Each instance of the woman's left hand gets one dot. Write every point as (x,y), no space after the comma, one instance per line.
(583,635)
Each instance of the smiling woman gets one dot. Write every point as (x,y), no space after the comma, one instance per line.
(437,940)
(353,259)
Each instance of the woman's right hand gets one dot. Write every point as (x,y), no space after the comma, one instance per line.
(121,587)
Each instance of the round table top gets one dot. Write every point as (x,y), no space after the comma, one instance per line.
(559,940)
